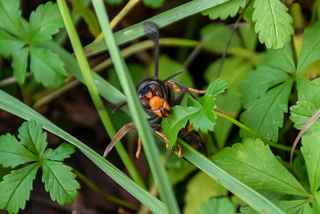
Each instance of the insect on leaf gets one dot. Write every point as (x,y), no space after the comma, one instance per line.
(254,164)
(60,182)
(272,22)
(15,188)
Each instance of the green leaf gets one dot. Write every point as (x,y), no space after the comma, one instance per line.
(153,3)
(88,15)
(310,47)
(59,182)
(281,59)
(9,44)
(44,22)
(178,120)
(217,87)
(308,90)
(254,164)
(13,153)
(15,188)
(32,137)
(300,114)
(273,23)
(114,2)
(218,205)
(225,9)
(265,114)
(10,18)
(62,152)
(292,207)
(199,190)
(300,169)
(47,67)
(20,63)
(248,210)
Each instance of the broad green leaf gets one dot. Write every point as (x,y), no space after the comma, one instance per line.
(44,22)
(59,182)
(265,114)
(300,114)
(9,44)
(178,120)
(292,207)
(307,90)
(218,205)
(13,153)
(153,3)
(310,47)
(88,15)
(32,137)
(225,9)
(10,18)
(199,190)
(62,152)
(281,59)
(47,67)
(20,63)
(254,164)
(273,23)
(15,188)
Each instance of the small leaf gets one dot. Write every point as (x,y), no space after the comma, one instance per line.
(44,22)
(13,153)
(59,182)
(15,188)
(9,44)
(254,164)
(31,136)
(218,205)
(310,47)
(153,3)
(226,9)
(62,152)
(47,67)
(10,18)
(20,63)
(199,190)
(217,87)
(273,23)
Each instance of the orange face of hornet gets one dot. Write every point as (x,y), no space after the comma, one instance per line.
(153,98)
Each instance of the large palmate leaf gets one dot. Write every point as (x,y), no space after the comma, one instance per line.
(254,164)
(273,23)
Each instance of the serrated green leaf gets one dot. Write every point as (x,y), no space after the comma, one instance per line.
(62,152)
(217,87)
(88,15)
(9,44)
(265,114)
(15,188)
(281,59)
(178,120)
(205,118)
(226,9)
(44,21)
(32,137)
(13,153)
(291,207)
(20,63)
(273,23)
(300,114)
(47,67)
(153,3)
(259,81)
(10,18)
(59,182)
(254,164)
(307,90)
(199,190)
(310,47)
(218,205)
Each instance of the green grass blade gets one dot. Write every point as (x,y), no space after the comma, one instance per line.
(151,151)
(161,20)
(253,198)
(14,106)
(85,70)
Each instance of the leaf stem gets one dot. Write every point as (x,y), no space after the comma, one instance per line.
(257,135)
